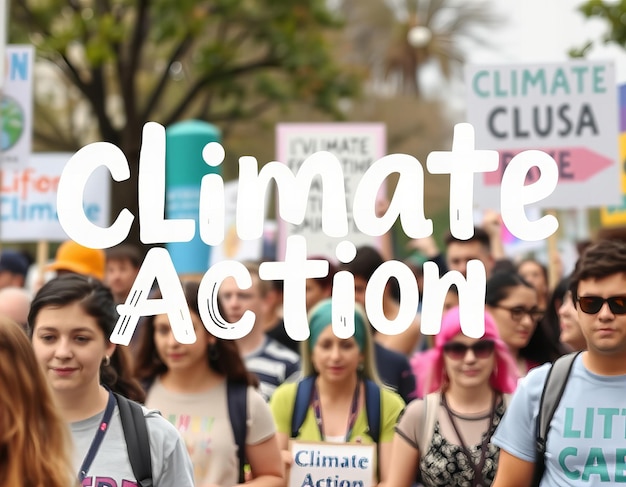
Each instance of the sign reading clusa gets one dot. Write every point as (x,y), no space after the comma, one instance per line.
(568,110)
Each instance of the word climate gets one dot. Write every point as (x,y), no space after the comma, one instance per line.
(461,164)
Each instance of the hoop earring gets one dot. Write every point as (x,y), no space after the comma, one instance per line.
(107,361)
(214,352)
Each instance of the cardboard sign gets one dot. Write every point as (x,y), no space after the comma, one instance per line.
(567,110)
(321,464)
(357,146)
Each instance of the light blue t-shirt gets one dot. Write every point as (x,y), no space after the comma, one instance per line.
(586,444)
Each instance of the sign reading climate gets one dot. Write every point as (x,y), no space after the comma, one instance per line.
(567,110)
(406,204)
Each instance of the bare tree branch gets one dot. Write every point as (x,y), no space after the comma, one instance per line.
(268,62)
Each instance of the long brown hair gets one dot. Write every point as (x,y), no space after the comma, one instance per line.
(34,440)
(225,360)
(96,300)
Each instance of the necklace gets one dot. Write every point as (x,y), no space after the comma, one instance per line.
(479,480)
(317,409)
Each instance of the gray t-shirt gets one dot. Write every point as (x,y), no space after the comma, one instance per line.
(586,444)
(171,465)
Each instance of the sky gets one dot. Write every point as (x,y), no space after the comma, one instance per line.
(543,31)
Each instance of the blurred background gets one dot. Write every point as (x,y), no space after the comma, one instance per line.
(105,67)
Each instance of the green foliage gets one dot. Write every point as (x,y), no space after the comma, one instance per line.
(218,60)
(613,13)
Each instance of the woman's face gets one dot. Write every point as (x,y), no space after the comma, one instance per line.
(335,359)
(532,272)
(70,346)
(514,316)
(468,362)
(571,333)
(176,355)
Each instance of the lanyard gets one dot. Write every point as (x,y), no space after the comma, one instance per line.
(478,468)
(317,409)
(97,439)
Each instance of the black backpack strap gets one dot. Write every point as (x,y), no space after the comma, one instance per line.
(237,398)
(301,404)
(137,439)
(553,389)
(372,408)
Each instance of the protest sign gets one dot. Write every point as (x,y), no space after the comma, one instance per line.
(234,248)
(332,465)
(615,215)
(28,198)
(567,110)
(16,106)
(357,146)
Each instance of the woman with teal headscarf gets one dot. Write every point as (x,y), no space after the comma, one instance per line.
(337,373)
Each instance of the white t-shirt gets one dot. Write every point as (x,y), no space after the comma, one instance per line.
(111,467)
(202,420)
(586,444)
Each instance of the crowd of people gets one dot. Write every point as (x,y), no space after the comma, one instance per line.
(448,410)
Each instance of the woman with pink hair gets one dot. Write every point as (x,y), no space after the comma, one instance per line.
(445,438)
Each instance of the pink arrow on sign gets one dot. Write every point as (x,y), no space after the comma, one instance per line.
(576,164)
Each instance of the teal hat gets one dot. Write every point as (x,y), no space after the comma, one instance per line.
(321,317)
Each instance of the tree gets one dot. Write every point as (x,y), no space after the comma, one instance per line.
(397,38)
(133,61)
(613,14)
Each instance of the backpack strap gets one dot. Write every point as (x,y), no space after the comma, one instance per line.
(301,404)
(553,389)
(372,408)
(237,398)
(303,400)
(137,439)
(429,418)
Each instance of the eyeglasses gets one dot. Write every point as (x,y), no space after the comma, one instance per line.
(518,313)
(480,349)
(593,304)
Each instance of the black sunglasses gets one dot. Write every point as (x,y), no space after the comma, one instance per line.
(593,304)
(480,349)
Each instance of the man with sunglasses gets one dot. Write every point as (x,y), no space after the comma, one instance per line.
(586,442)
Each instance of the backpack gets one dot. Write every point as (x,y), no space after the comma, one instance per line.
(553,389)
(137,439)
(138,442)
(303,400)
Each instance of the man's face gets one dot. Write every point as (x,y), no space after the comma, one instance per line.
(8,279)
(458,254)
(235,302)
(120,277)
(604,331)
(315,292)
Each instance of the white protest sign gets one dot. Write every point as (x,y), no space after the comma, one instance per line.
(567,110)
(28,198)
(356,146)
(332,465)
(16,105)
(232,247)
